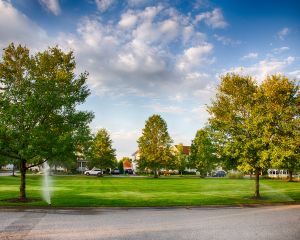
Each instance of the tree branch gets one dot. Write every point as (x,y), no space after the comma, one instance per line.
(37,164)
(5,154)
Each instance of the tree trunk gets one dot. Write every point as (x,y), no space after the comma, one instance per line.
(257,195)
(290,176)
(13,170)
(155,173)
(23,181)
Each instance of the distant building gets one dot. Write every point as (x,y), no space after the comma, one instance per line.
(129,165)
(186,149)
(276,173)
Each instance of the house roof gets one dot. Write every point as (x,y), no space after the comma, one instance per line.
(186,149)
(127,164)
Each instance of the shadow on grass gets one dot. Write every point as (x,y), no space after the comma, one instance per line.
(18,200)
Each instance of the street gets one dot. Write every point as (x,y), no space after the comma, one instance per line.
(272,222)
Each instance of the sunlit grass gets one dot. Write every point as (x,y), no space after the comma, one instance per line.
(79,191)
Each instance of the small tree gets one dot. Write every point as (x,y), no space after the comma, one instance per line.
(101,154)
(180,159)
(120,166)
(154,144)
(203,152)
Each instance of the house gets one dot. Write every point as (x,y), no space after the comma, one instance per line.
(276,173)
(128,166)
(81,162)
(81,165)
(186,149)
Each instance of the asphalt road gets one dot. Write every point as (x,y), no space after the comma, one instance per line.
(275,222)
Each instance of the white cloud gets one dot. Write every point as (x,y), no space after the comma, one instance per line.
(280,50)
(282,33)
(158,108)
(138,61)
(252,55)
(263,68)
(294,74)
(178,97)
(226,40)
(103,5)
(128,20)
(200,113)
(51,5)
(214,19)
(16,27)
(125,142)
(137,2)
(195,57)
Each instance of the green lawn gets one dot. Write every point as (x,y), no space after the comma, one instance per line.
(79,191)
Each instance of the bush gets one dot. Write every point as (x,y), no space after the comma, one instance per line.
(235,175)
(188,173)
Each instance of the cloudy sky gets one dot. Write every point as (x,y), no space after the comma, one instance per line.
(158,57)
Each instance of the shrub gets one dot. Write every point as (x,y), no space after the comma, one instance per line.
(235,175)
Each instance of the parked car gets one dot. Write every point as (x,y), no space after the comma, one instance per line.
(128,171)
(115,172)
(220,173)
(94,171)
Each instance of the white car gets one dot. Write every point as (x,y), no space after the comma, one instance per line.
(94,171)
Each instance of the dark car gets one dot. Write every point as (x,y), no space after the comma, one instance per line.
(220,173)
(115,172)
(129,171)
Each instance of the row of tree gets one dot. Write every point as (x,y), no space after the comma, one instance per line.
(251,126)
(156,151)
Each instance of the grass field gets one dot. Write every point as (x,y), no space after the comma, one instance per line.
(83,191)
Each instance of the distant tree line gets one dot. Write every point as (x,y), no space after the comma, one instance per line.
(251,128)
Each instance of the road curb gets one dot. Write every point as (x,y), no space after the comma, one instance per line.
(99,209)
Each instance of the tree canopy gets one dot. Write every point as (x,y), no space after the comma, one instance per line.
(249,117)
(101,154)
(281,122)
(181,159)
(203,154)
(38,97)
(154,144)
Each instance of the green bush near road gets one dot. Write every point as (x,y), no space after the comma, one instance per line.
(83,191)
(235,175)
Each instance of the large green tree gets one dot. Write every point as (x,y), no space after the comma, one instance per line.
(281,121)
(235,117)
(102,155)
(203,153)
(256,124)
(38,117)
(155,144)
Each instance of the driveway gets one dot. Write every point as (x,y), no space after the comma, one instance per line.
(273,222)
(5,174)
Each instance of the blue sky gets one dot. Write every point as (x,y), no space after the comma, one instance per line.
(158,57)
